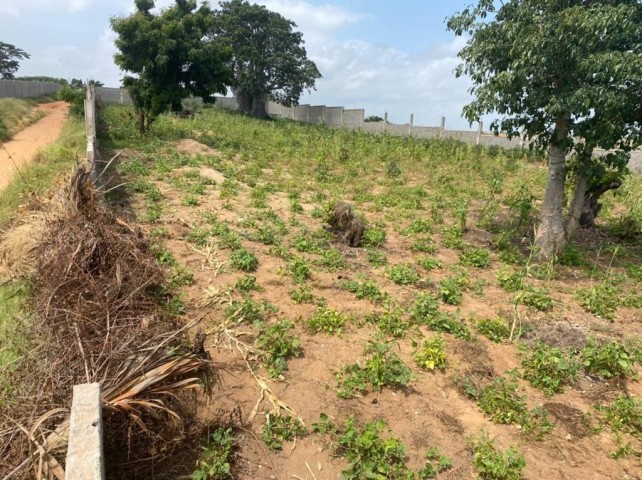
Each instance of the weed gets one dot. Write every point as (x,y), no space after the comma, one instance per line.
(634,272)
(609,360)
(279,428)
(214,461)
(266,235)
(425,309)
(423,246)
(444,322)
(377,258)
(510,280)
(452,237)
(277,347)
(493,329)
(162,255)
(227,238)
(475,257)
(382,369)
(431,355)
(302,294)
(624,415)
(419,226)
(244,260)
(493,464)
(250,311)
(571,256)
(429,263)
(332,260)
(403,274)
(328,321)
(549,368)
(180,276)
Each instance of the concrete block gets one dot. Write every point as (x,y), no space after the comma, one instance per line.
(85,452)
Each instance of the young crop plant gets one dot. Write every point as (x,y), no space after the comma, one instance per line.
(364,290)
(215,460)
(425,309)
(495,330)
(377,258)
(180,276)
(246,284)
(419,225)
(549,368)
(244,260)
(327,321)
(332,260)
(624,415)
(436,463)
(422,245)
(302,294)
(610,360)
(250,311)
(510,280)
(601,300)
(494,464)
(382,369)
(431,355)
(403,274)
(227,238)
(277,347)
(390,322)
(537,298)
(299,269)
(475,257)
(452,237)
(374,237)
(267,235)
(281,428)
(429,263)
(450,291)
(446,323)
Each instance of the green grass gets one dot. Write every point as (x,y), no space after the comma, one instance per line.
(17,113)
(39,176)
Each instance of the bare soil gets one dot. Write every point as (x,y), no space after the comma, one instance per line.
(24,146)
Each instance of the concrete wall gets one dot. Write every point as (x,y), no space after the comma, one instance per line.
(316,114)
(333,116)
(353,118)
(25,89)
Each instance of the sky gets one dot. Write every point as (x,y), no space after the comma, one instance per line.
(381,55)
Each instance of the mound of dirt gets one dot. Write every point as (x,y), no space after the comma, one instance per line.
(187,146)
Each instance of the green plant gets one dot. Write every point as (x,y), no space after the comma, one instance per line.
(368,289)
(377,258)
(328,321)
(369,455)
(214,461)
(382,369)
(493,329)
(452,237)
(244,260)
(435,463)
(403,274)
(302,294)
(494,464)
(299,269)
(332,260)
(429,263)
(475,257)
(450,291)
(249,310)
(277,346)
(279,428)
(624,414)
(374,237)
(162,255)
(246,284)
(609,360)
(549,368)
(390,321)
(423,246)
(431,355)
(446,323)
(601,300)
(424,309)
(180,276)
(510,280)
(537,298)
(571,256)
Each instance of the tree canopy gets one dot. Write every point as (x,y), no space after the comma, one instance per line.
(167,54)
(10,57)
(567,74)
(268,60)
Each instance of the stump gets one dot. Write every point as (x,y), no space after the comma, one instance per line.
(346,225)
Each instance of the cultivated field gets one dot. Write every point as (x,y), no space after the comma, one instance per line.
(436,347)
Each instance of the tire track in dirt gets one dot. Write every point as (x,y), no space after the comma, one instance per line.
(24,146)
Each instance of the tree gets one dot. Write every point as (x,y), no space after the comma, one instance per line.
(10,57)
(568,74)
(268,61)
(167,53)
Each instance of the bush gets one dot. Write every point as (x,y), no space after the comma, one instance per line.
(75,97)
(549,369)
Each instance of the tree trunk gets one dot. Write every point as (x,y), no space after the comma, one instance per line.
(141,121)
(591,205)
(243,100)
(259,107)
(576,207)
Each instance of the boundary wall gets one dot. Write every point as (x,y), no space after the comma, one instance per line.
(26,89)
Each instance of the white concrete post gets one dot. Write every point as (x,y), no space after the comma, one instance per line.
(479,132)
(85,450)
(442,127)
(412,121)
(385,122)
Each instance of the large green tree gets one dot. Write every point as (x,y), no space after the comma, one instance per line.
(268,61)
(167,54)
(10,57)
(567,74)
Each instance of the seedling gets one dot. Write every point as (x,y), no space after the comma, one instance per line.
(328,321)
(403,274)
(431,355)
(277,346)
(475,257)
(549,368)
(493,329)
(302,294)
(609,360)
(244,260)
(214,461)
(278,429)
(494,464)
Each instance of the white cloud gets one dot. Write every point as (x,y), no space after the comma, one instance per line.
(17,8)
(313,18)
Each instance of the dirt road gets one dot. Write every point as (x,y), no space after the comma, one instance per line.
(22,148)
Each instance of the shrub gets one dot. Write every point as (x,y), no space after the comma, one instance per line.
(609,360)
(549,368)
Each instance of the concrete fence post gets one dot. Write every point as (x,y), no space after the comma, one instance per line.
(85,450)
(385,122)
(412,121)
(479,132)
(442,127)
